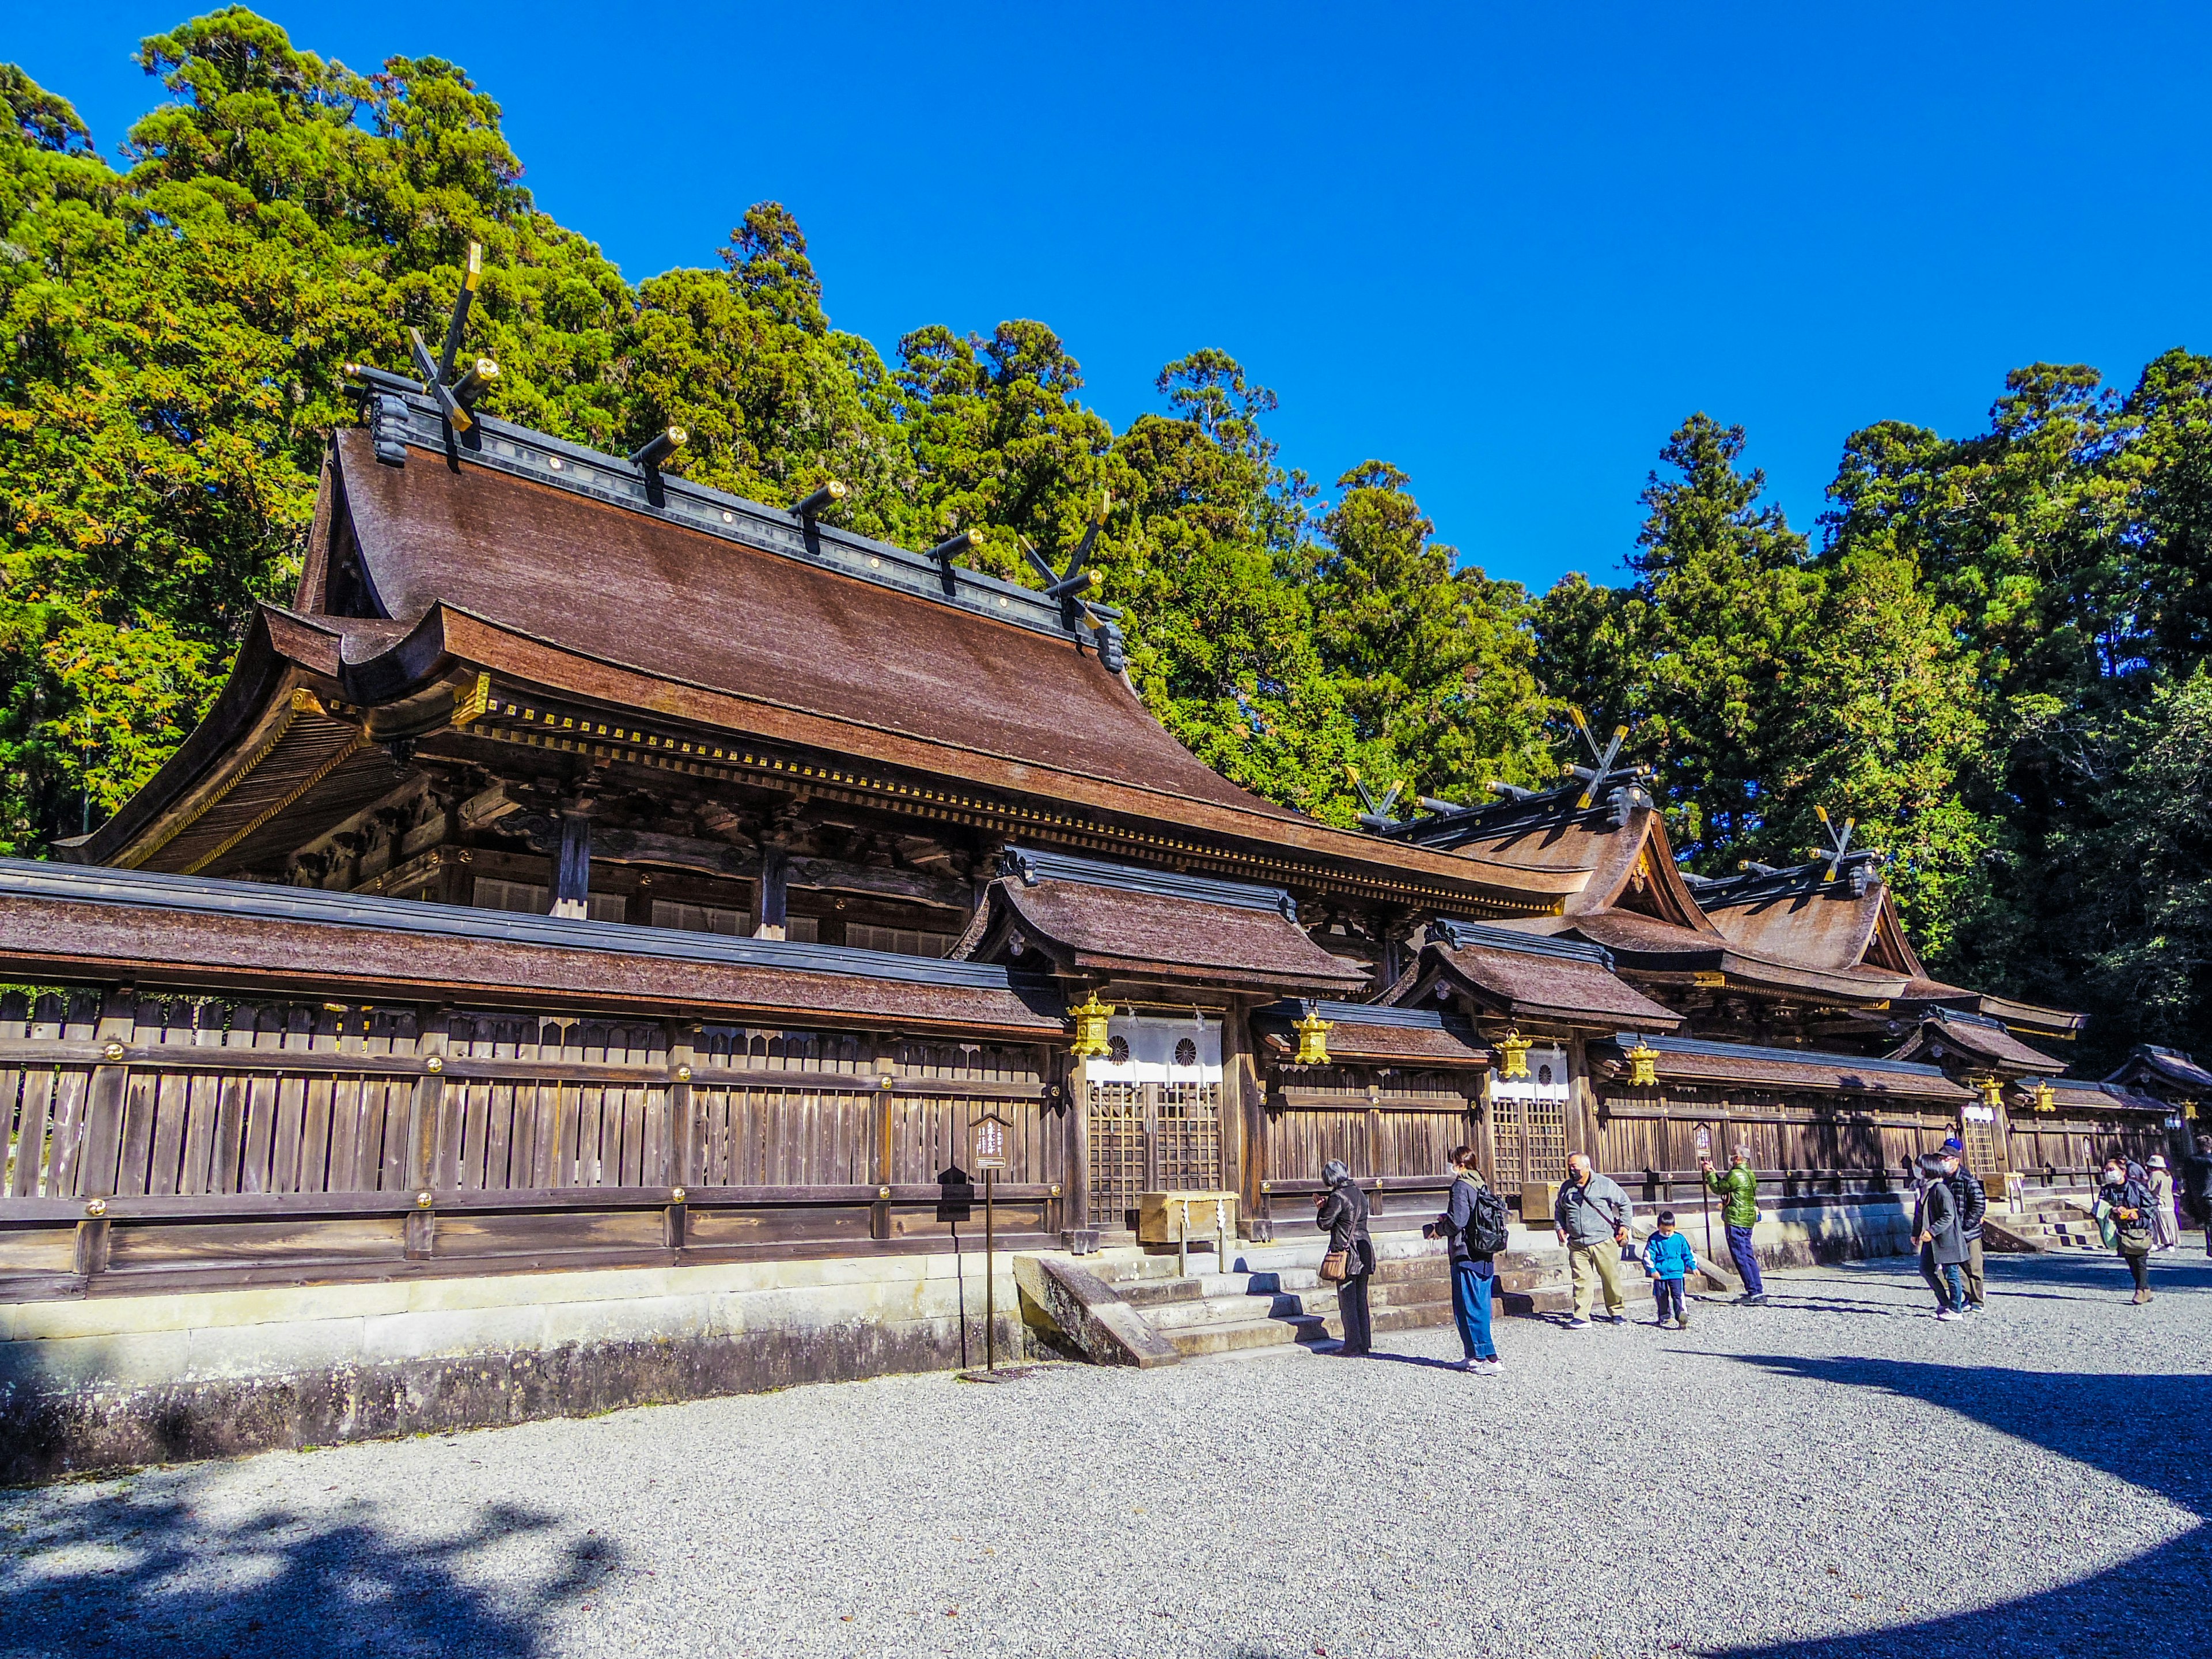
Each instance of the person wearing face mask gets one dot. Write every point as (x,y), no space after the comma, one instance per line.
(1973,1205)
(1942,1242)
(2126,1199)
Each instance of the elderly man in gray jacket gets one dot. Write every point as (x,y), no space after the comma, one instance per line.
(1592,1216)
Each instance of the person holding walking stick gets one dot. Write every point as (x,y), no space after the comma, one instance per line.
(1739,1190)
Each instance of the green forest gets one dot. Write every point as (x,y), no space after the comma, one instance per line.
(1990,650)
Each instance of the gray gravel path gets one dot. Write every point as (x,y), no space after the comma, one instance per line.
(1782,1481)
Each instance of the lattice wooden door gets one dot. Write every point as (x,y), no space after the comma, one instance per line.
(1531,1140)
(1981,1141)
(1149,1137)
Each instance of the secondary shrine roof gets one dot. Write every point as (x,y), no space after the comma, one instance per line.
(1690,1059)
(62,922)
(1523,976)
(1085,916)
(1948,1031)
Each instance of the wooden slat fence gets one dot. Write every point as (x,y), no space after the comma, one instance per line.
(1395,1130)
(212,1139)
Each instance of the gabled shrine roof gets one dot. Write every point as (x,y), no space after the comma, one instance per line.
(1799,915)
(1948,1031)
(1085,916)
(2074,1094)
(2168,1065)
(704,613)
(1523,976)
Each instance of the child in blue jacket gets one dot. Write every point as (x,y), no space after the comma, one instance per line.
(1668,1258)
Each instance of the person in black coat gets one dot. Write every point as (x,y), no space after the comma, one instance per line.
(2126,1196)
(2197,1187)
(1344,1213)
(1942,1242)
(1973,1205)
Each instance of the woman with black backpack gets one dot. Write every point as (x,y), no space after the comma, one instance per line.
(1474,1220)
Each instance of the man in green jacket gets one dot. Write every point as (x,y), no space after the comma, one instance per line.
(1738,1187)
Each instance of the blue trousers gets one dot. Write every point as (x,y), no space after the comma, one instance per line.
(1746,1260)
(1943,1279)
(1471,1286)
(1666,1294)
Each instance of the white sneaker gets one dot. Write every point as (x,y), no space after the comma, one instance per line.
(1947,1315)
(1492,1367)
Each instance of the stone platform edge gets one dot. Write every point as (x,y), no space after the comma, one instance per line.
(108,1383)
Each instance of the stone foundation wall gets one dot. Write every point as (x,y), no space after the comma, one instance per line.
(126,1381)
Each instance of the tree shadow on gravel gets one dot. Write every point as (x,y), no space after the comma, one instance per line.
(165,1582)
(2146,1430)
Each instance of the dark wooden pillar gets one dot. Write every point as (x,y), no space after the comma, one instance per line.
(572,872)
(774,884)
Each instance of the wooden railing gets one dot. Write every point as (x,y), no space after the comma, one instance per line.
(198,1139)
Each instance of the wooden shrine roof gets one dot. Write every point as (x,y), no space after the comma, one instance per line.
(1798,917)
(2074,1094)
(1689,1060)
(1374,1034)
(1088,917)
(61,922)
(1523,976)
(2169,1068)
(565,597)
(1945,1032)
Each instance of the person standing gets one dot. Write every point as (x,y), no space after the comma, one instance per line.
(1935,1229)
(1591,1218)
(1344,1213)
(1669,1259)
(1738,1188)
(2196,1173)
(2165,1230)
(2127,1206)
(1973,1205)
(1474,1220)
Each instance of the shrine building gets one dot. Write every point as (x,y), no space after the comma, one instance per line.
(589,871)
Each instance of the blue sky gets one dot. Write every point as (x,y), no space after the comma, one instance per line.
(1508,250)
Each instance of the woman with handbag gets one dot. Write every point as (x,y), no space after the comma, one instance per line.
(2126,1201)
(1351,1258)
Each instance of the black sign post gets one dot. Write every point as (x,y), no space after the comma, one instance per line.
(986,1151)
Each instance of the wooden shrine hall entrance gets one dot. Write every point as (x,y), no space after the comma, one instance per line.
(1153,1113)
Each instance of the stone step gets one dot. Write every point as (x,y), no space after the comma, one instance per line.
(1241,1336)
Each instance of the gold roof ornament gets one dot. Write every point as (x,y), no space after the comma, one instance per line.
(2047,1097)
(1643,1065)
(1513,1054)
(1090,1016)
(1313,1039)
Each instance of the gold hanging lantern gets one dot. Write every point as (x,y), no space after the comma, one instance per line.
(1643,1065)
(1992,1093)
(1090,1016)
(2047,1097)
(1313,1039)
(1513,1055)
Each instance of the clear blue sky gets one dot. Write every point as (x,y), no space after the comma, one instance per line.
(1507,250)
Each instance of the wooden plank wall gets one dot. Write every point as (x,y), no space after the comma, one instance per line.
(202,1141)
(1393,1130)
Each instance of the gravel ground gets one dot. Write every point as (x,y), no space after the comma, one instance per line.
(1783,1480)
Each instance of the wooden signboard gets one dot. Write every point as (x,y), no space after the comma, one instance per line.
(987,1142)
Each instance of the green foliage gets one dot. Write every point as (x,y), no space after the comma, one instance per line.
(1995,662)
